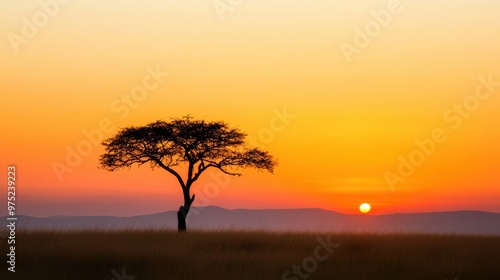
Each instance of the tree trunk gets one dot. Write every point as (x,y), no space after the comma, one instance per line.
(183,211)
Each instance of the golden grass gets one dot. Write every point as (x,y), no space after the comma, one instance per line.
(250,255)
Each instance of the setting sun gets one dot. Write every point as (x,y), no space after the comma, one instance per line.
(365,208)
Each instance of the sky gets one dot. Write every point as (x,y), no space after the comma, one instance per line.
(393,103)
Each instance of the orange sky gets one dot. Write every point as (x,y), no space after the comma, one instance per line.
(351,119)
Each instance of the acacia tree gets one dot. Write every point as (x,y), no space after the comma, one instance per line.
(188,145)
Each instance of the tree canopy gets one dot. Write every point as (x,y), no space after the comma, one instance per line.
(184,141)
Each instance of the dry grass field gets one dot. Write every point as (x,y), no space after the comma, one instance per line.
(149,255)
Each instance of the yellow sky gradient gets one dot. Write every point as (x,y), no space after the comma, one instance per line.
(352,121)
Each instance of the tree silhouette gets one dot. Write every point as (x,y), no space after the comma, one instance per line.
(193,146)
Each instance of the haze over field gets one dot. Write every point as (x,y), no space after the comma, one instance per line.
(276,70)
(281,220)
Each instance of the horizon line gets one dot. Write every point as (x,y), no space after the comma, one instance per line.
(261,209)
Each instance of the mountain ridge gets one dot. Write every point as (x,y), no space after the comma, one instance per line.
(299,219)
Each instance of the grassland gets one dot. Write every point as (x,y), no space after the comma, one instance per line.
(250,255)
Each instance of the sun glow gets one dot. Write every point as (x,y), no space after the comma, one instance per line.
(365,208)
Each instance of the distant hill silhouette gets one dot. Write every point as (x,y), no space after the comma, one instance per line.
(215,218)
